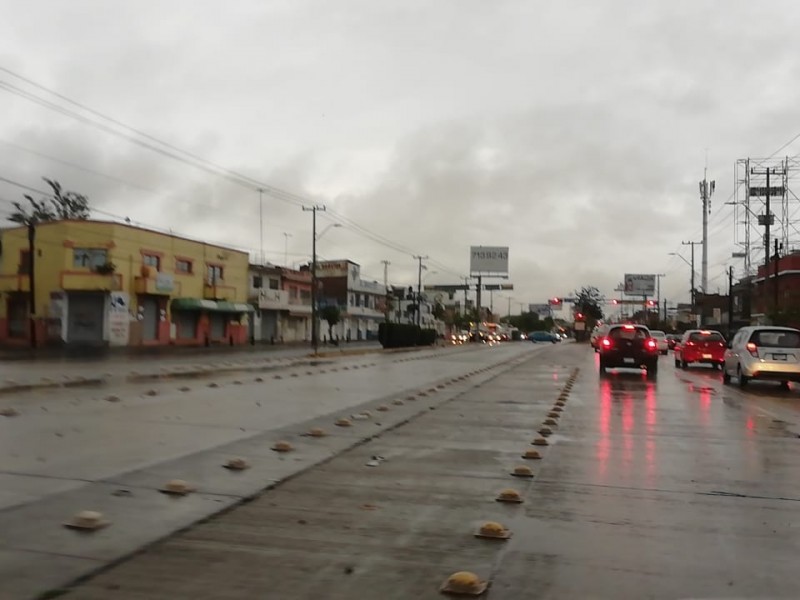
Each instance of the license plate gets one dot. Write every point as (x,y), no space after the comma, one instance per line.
(706,356)
(778,357)
(628,361)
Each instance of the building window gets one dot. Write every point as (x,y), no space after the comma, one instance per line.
(151,260)
(273,284)
(258,282)
(183,266)
(293,293)
(352,300)
(214,274)
(24,262)
(305,295)
(90,258)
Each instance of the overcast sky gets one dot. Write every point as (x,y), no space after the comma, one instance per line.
(573,132)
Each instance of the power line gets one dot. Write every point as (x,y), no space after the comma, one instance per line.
(196,161)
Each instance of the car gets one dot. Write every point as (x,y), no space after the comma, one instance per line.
(596,335)
(661,340)
(629,347)
(700,346)
(672,340)
(542,336)
(763,352)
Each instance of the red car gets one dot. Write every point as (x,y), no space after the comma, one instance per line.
(700,346)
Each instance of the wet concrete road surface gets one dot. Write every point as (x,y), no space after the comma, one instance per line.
(674,488)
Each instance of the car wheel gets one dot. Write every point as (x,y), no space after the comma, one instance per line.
(677,363)
(684,364)
(652,371)
(742,379)
(784,385)
(726,377)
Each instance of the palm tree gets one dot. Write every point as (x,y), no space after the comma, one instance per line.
(61,205)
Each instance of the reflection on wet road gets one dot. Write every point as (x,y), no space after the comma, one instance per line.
(674,488)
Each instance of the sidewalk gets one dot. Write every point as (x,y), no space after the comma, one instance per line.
(82,368)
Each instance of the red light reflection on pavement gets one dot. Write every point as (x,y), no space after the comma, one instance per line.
(604,444)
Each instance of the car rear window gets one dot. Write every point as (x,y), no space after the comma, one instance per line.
(657,334)
(711,336)
(776,338)
(623,333)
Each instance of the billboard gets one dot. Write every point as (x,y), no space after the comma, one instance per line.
(543,310)
(639,284)
(488,259)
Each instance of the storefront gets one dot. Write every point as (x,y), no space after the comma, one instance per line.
(199,321)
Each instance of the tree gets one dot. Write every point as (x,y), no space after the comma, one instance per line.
(61,205)
(589,302)
(439,311)
(332,315)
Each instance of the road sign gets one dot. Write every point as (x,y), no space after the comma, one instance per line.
(640,284)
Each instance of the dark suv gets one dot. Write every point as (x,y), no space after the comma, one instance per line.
(629,347)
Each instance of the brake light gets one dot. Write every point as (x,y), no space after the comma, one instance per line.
(690,343)
(606,342)
(627,326)
(651,344)
(752,349)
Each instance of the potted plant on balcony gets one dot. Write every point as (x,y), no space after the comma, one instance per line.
(106,268)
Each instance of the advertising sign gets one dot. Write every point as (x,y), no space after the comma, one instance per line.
(543,310)
(488,259)
(165,282)
(119,320)
(639,284)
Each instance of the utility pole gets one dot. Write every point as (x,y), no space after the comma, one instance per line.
(692,244)
(419,288)
(766,221)
(730,301)
(509,308)
(658,293)
(286,237)
(775,283)
(706,190)
(314,333)
(31,278)
(386,264)
(466,293)
(478,287)
(261,225)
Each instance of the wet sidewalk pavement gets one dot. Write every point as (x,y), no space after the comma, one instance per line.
(645,489)
(92,367)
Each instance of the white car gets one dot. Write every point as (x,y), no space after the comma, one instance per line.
(763,352)
(661,340)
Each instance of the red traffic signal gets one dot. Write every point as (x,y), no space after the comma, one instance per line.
(555,301)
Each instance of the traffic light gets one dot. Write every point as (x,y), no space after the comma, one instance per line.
(651,303)
(615,301)
(579,316)
(555,301)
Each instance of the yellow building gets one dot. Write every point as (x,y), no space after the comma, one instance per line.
(98,282)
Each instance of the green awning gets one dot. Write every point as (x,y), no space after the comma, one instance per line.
(210,305)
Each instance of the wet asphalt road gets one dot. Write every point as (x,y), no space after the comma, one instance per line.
(674,488)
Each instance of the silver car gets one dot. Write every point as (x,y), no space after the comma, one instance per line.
(661,340)
(763,352)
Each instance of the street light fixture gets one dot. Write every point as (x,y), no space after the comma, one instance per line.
(328,228)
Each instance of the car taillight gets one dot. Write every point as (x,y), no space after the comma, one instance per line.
(651,344)
(752,349)
(690,343)
(606,343)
